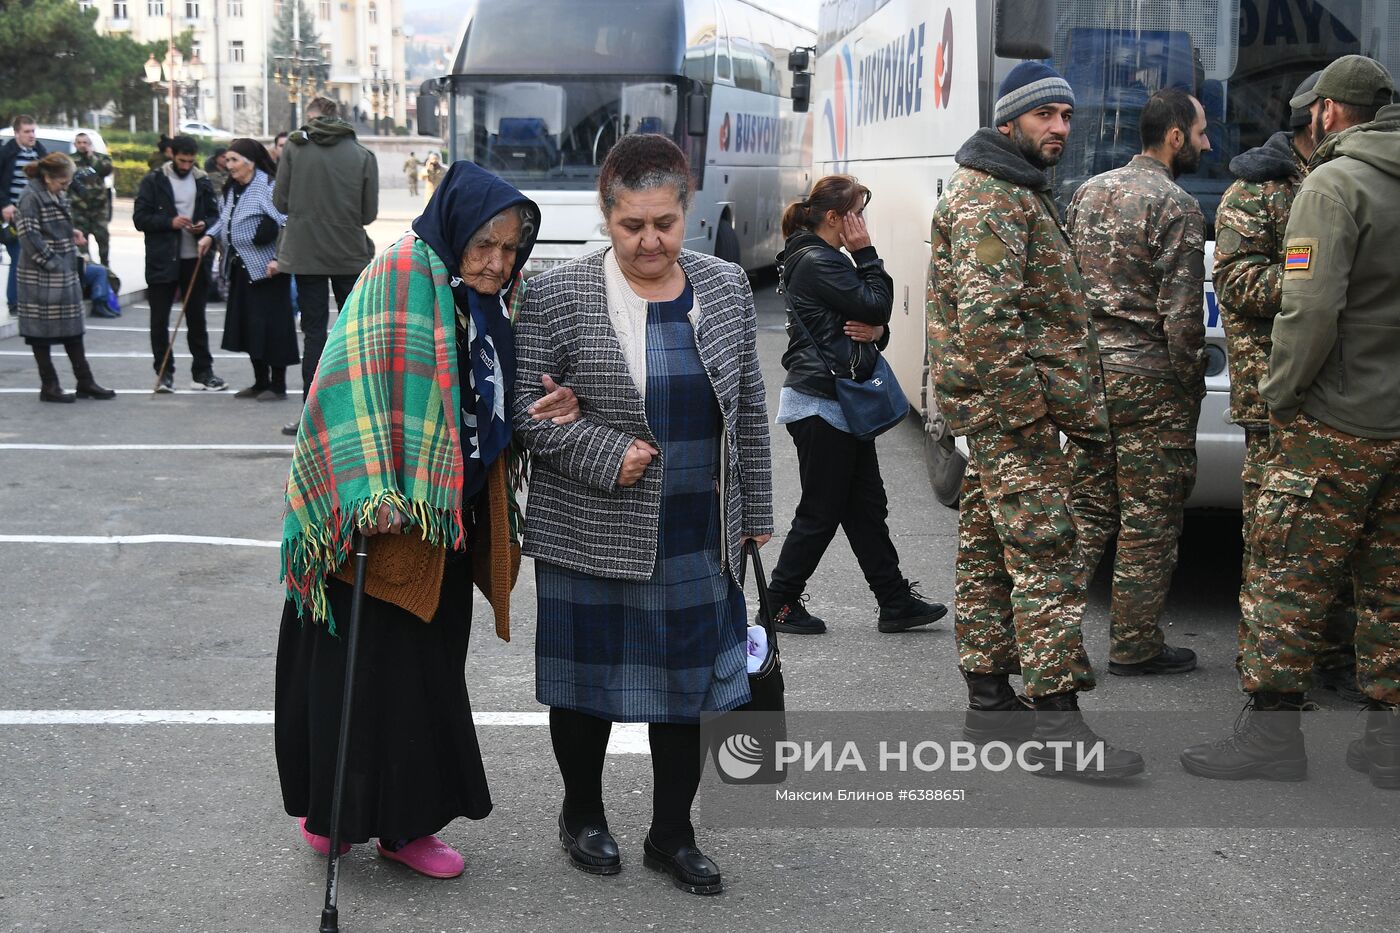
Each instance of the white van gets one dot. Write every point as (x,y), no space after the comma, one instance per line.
(60,139)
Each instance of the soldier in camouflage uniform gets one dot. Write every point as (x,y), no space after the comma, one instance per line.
(1140,241)
(1014,363)
(1330,496)
(87,196)
(1249,284)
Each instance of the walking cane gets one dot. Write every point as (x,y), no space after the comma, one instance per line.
(170,348)
(329,920)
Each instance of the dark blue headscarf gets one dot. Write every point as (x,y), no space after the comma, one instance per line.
(465,200)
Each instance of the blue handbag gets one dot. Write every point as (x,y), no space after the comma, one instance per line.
(871,407)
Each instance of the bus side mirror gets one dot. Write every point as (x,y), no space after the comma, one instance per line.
(799,59)
(1025,29)
(801,91)
(697,112)
(428,110)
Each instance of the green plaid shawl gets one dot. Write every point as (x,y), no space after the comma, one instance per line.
(380,423)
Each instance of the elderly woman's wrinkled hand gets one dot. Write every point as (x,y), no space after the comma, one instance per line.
(388,520)
(635,462)
(559,405)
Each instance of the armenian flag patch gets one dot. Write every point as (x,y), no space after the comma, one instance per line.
(1297,259)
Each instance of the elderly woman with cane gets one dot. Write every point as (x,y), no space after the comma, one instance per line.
(50,293)
(406,438)
(638,512)
(259,319)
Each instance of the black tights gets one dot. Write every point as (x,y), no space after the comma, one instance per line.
(580,745)
(272,377)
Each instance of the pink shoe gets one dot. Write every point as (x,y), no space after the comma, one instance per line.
(427,855)
(320,843)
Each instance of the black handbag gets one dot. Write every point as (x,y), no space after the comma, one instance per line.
(870,407)
(765,684)
(267,231)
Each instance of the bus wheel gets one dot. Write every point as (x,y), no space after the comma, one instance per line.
(945,464)
(727,242)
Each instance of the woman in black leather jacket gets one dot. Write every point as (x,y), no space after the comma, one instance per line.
(837,317)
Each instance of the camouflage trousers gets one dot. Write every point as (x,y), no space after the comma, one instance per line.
(1329,503)
(95,228)
(1136,488)
(1019,598)
(1337,649)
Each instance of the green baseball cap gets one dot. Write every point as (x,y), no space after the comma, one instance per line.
(1303,98)
(1353,79)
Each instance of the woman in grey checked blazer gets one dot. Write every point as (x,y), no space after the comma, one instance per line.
(50,295)
(638,511)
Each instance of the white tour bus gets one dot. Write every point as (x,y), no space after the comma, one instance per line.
(900,84)
(542,89)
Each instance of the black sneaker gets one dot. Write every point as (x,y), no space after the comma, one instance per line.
(1167,661)
(792,617)
(909,609)
(209,383)
(166,384)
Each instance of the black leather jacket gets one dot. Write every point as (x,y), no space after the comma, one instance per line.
(822,287)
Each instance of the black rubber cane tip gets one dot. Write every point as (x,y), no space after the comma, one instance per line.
(329,923)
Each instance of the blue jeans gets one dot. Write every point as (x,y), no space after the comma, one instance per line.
(12,286)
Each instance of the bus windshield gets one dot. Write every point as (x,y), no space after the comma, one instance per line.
(556,133)
(1241,58)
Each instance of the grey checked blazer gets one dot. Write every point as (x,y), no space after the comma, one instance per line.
(238,225)
(577,516)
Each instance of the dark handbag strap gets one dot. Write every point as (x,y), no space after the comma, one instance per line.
(765,607)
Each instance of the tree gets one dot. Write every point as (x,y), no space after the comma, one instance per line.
(279,108)
(57,67)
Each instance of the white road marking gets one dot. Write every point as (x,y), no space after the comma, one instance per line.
(130,355)
(136,539)
(627,738)
(11,390)
(117,328)
(284,448)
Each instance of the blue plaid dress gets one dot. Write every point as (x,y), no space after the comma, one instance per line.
(664,649)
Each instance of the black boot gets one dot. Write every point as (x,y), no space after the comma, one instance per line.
(1377,752)
(87,386)
(908,609)
(1167,661)
(789,615)
(49,388)
(1341,680)
(1267,743)
(1087,757)
(994,712)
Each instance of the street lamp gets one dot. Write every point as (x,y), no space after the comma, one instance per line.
(153,79)
(302,72)
(194,73)
(383,93)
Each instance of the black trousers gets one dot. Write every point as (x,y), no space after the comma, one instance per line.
(841,488)
(161,297)
(313,299)
(580,745)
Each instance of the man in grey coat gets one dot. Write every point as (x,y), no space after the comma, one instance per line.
(328,186)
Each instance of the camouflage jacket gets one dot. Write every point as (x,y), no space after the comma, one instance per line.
(1140,242)
(1009,337)
(1248,277)
(87,195)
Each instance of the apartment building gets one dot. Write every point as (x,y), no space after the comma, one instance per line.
(360,39)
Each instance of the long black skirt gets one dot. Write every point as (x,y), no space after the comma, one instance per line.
(414,763)
(258,320)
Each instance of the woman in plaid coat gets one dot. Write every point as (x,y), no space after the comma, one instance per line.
(50,297)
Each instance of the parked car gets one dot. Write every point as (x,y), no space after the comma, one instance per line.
(60,139)
(196,128)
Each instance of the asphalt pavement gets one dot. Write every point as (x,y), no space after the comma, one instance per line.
(137,540)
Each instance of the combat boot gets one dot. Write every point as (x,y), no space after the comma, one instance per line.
(1064,745)
(1377,752)
(907,609)
(1267,743)
(994,712)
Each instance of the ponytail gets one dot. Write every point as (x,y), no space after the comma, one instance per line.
(840,193)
